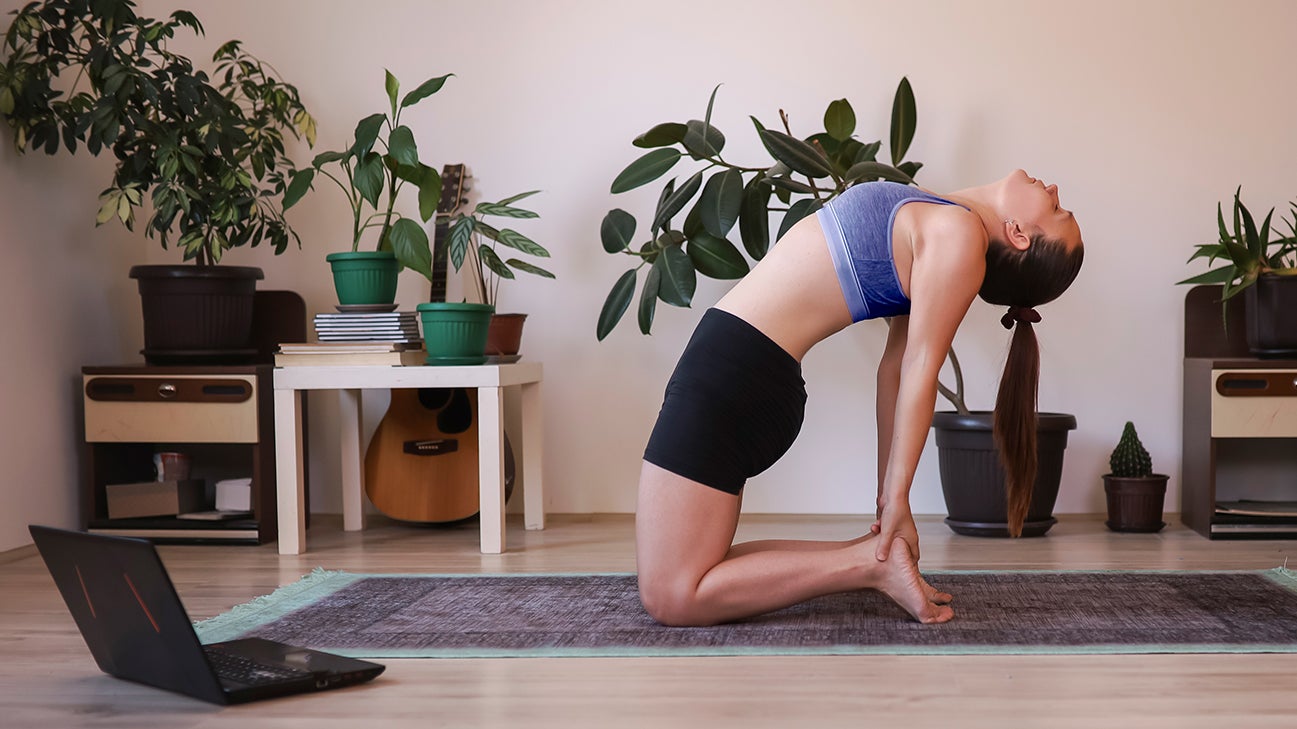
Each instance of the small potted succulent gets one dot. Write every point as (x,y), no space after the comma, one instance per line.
(372,172)
(1135,494)
(477,244)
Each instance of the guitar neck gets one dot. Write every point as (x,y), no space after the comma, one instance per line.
(453,188)
(439,262)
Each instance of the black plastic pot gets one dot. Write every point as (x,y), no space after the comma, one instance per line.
(972,477)
(1271,310)
(1135,502)
(197,314)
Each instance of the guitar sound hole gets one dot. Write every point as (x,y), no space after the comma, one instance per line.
(434,398)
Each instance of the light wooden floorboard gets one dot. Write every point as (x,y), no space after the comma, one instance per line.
(47,678)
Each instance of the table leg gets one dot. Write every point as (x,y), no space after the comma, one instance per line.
(289,485)
(533,485)
(490,472)
(350,414)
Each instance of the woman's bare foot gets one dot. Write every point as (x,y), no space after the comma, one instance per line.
(899,579)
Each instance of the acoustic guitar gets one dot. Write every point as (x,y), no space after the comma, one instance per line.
(422,462)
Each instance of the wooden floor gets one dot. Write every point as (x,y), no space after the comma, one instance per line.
(47,678)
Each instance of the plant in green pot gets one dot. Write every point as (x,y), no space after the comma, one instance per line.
(206,153)
(477,244)
(372,171)
(1135,494)
(1263,267)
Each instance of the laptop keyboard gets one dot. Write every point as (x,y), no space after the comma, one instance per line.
(231,667)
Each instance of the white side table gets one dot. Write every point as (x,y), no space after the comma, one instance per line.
(488,380)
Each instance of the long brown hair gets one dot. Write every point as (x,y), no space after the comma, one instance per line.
(1022,279)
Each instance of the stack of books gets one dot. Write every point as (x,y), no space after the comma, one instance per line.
(391,326)
(339,354)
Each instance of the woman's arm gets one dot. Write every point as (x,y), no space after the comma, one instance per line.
(945,277)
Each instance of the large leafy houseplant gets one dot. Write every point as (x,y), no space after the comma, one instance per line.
(207,152)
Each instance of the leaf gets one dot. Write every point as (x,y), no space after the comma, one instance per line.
(515,198)
(616,304)
(662,135)
(325,158)
(107,207)
(840,120)
(429,192)
(503,211)
(1217,276)
(410,244)
(790,185)
(720,202)
(529,268)
(674,202)
(298,186)
(702,139)
(520,242)
(862,171)
(393,86)
(401,147)
(493,262)
(424,90)
(369,178)
(716,257)
(646,169)
(461,234)
(617,230)
(798,155)
(754,219)
(904,119)
(867,152)
(796,212)
(648,299)
(678,278)
(366,132)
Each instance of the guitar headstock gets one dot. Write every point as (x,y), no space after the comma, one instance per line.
(454,190)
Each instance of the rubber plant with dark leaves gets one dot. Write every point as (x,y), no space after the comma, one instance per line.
(206,152)
(805,173)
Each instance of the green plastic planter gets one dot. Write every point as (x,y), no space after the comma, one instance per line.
(455,334)
(364,277)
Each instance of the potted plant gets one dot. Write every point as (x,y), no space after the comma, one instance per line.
(1135,494)
(1262,267)
(487,268)
(381,159)
(829,162)
(207,152)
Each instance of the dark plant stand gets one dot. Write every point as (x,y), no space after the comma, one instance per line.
(972,478)
(1135,502)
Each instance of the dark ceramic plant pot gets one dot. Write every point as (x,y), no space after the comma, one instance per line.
(504,338)
(1135,503)
(1271,310)
(197,314)
(972,478)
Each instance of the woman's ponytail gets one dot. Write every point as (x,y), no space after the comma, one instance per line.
(1014,428)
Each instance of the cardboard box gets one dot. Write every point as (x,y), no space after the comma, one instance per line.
(155,498)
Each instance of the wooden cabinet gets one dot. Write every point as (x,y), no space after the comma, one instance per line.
(220,416)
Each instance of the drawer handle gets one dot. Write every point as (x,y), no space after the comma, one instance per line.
(166,391)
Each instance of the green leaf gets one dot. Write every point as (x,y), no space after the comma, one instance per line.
(424,90)
(678,278)
(529,268)
(648,299)
(840,120)
(429,192)
(675,201)
(867,152)
(410,244)
(788,184)
(393,86)
(515,198)
(520,242)
(910,168)
(461,234)
(702,139)
(864,171)
(1217,276)
(616,304)
(325,158)
(617,230)
(720,202)
(716,257)
(754,219)
(796,212)
(493,262)
(646,169)
(300,183)
(904,119)
(711,101)
(369,177)
(798,155)
(366,132)
(503,211)
(401,147)
(662,135)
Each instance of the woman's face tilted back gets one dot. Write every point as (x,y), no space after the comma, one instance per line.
(1034,207)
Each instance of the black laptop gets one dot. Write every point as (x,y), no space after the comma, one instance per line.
(132,619)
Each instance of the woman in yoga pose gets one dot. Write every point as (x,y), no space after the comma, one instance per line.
(735,402)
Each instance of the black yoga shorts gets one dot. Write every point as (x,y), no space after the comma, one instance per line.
(733,406)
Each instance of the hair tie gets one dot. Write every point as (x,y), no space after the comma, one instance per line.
(1024,314)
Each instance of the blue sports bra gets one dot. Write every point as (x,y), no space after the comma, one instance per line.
(858,227)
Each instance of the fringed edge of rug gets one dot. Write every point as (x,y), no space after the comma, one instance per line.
(241,619)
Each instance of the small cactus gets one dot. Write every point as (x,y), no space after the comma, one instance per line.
(1129,459)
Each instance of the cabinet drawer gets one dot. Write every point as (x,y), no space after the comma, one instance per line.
(1254,404)
(170,409)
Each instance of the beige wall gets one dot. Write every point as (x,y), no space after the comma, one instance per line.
(1146,114)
